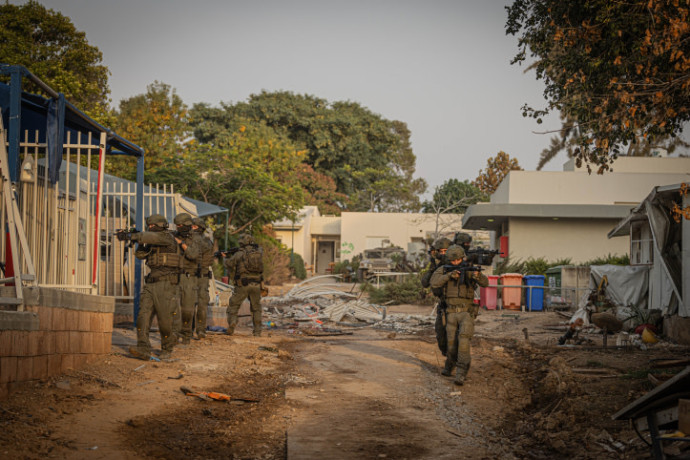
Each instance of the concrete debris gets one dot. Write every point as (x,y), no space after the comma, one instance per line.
(316,301)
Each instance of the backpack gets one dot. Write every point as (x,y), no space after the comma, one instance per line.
(253,260)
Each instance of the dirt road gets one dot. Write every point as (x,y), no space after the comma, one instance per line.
(372,394)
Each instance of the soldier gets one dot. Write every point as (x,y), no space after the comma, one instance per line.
(191,251)
(458,287)
(463,240)
(203,275)
(438,258)
(245,268)
(160,294)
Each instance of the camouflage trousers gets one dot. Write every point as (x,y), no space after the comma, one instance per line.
(160,299)
(253,292)
(459,330)
(202,300)
(188,297)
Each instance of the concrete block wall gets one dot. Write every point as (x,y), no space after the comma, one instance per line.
(57,332)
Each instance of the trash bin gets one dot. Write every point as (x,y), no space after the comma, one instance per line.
(534,297)
(487,295)
(512,295)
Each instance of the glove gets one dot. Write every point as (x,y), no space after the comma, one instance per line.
(124,236)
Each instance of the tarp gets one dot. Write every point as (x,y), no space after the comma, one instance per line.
(627,287)
(666,276)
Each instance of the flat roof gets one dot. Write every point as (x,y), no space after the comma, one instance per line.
(490,216)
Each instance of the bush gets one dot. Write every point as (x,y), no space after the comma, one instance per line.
(540,266)
(297,266)
(276,265)
(610,260)
(409,291)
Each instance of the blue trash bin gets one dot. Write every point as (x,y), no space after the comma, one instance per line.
(534,297)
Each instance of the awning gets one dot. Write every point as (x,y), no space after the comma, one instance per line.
(491,216)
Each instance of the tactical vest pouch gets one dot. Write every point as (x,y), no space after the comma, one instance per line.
(253,260)
(426,279)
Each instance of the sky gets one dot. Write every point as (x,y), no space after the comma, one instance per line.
(441,66)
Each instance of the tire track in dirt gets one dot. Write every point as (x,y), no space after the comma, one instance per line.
(375,399)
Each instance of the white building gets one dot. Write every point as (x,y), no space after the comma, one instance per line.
(568,214)
(322,240)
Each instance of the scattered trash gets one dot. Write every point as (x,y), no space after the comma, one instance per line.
(63,385)
(140,367)
(213,396)
(455,393)
(177,378)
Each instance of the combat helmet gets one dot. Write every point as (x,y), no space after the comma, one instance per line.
(442,243)
(199,222)
(158,220)
(246,239)
(455,252)
(462,238)
(183,219)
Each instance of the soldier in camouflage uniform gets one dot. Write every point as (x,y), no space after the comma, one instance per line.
(247,283)
(203,275)
(191,250)
(438,258)
(160,293)
(460,312)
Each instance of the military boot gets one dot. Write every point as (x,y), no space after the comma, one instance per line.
(448,368)
(461,374)
(139,354)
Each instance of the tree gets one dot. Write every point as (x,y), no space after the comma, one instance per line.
(319,190)
(497,168)
(157,122)
(342,140)
(452,197)
(48,44)
(250,172)
(618,72)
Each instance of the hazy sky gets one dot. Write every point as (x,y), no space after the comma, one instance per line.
(442,67)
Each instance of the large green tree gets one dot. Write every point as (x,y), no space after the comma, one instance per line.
(250,171)
(48,44)
(157,122)
(342,140)
(618,72)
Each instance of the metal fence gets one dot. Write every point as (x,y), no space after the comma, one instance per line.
(71,244)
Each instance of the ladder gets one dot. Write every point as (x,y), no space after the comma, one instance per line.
(15,230)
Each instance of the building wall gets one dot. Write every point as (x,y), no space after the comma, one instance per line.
(399,228)
(562,187)
(575,239)
(299,242)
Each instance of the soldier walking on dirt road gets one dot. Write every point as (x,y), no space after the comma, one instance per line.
(458,289)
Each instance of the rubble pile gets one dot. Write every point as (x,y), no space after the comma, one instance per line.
(316,301)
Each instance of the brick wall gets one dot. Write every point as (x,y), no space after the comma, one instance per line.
(62,331)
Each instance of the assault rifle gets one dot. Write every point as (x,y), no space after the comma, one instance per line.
(125,234)
(481,256)
(231,251)
(462,269)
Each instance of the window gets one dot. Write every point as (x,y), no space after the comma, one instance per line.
(641,243)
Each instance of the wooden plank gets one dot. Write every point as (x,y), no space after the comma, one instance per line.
(684,416)
(663,417)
